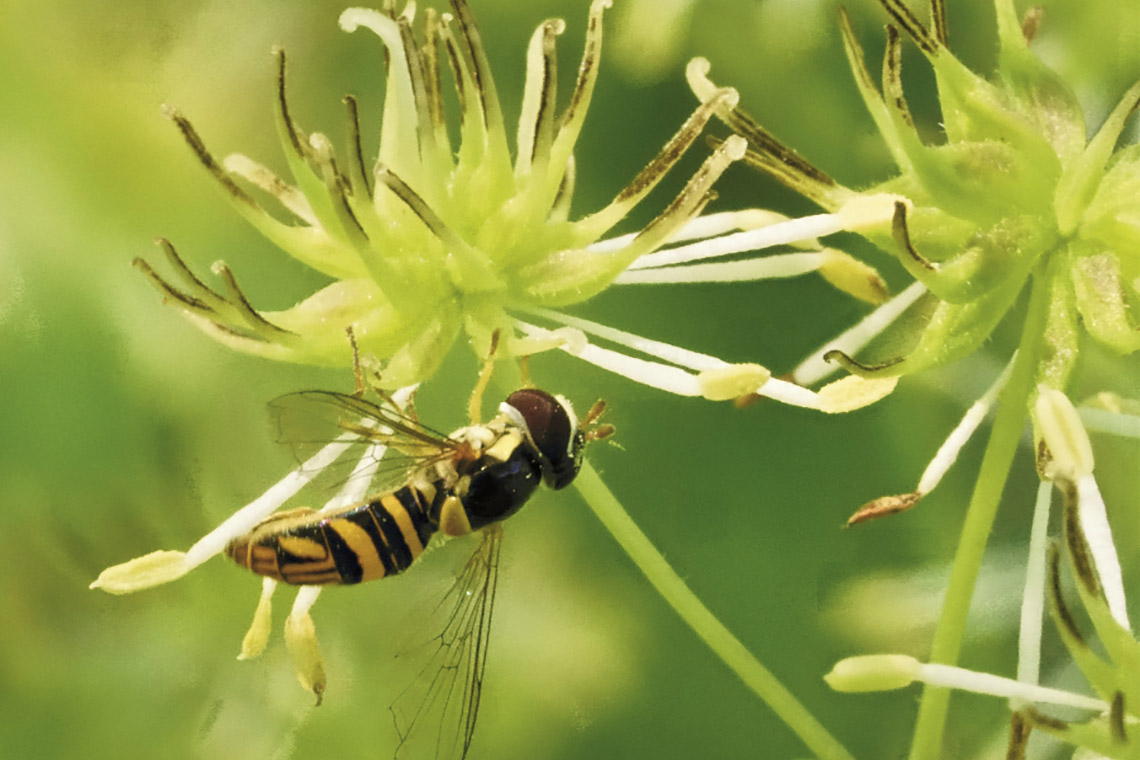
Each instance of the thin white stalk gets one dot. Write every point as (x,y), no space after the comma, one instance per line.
(706,226)
(789,393)
(814,368)
(305,599)
(355,488)
(799,230)
(682,357)
(950,449)
(247,517)
(1094,523)
(1033,597)
(953,677)
(766,268)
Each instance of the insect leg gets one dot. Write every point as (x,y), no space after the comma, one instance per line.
(301,641)
(256,637)
(357,371)
(475,404)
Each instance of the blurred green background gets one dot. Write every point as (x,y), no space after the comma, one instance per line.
(125,430)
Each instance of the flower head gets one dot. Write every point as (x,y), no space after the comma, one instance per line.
(1014,201)
(432,239)
(1015,217)
(1014,196)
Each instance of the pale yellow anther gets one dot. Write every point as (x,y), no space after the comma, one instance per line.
(854,392)
(253,644)
(853,277)
(301,640)
(734,381)
(870,212)
(142,572)
(1060,427)
(873,672)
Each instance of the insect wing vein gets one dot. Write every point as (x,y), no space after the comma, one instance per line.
(435,715)
(308,420)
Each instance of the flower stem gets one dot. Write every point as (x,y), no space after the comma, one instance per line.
(1009,422)
(686,604)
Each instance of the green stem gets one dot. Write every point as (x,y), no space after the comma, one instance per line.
(686,604)
(1013,410)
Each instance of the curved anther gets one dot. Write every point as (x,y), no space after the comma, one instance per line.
(901,233)
(857,368)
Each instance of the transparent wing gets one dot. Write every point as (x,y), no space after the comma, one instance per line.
(385,443)
(435,715)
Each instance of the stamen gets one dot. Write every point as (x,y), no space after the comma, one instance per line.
(805,230)
(816,368)
(768,268)
(653,374)
(244,520)
(884,672)
(704,226)
(948,452)
(1072,466)
(859,215)
(1098,534)
(355,488)
(690,201)
(255,639)
(596,224)
(682,357)
(301,641)
(766,152)
(164,566)
(1033,597)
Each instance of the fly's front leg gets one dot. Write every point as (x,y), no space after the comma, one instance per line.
(475,403)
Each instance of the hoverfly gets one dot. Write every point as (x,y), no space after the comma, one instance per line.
(453,484)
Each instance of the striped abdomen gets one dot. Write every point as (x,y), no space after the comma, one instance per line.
(307,548)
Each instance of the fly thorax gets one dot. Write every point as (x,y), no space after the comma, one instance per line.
(501,478)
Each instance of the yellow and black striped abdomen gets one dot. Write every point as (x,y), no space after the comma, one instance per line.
(381,537)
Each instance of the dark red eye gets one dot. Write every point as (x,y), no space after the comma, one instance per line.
(554,433)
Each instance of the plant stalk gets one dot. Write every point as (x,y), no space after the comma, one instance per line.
(1009,422)
(698,617)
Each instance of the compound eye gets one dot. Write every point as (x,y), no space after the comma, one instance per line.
(553,431)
